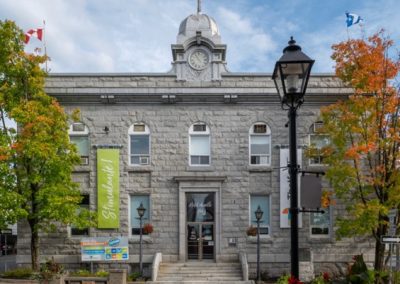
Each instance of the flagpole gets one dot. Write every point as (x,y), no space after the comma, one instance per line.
(44,44)
(362,30)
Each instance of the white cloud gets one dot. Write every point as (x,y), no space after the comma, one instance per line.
(135,35)
(248,44)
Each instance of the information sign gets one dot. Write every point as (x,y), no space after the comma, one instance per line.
(104,249)
(390,240)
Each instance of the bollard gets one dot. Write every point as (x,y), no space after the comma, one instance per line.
(117,276)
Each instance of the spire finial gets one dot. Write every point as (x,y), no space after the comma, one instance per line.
(198,6)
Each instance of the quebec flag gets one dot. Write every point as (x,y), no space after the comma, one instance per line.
(352,19)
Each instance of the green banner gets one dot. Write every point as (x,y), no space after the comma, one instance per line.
(108,188)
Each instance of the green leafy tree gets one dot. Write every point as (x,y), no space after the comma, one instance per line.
(36,162)
(364,154)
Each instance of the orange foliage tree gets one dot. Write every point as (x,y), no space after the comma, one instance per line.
(36,162)
(364,130)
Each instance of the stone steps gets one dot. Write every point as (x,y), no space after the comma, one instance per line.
(202,282)
(200,273)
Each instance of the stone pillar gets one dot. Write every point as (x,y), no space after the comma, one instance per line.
(117,276)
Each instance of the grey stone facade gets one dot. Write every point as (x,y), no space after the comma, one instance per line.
(229,104)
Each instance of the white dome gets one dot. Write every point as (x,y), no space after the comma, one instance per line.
(198,22)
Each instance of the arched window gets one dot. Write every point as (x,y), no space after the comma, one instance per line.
(199,145)
(317,141)
(79,135)
(260,144)
(139,144)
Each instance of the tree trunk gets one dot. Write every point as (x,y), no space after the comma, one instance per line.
(33,223)
(35,250)
(379,255)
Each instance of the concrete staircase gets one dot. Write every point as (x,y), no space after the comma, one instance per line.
(200,273)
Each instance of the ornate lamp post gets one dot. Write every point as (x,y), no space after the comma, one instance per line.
(290,76)
(259,213)
(141,211)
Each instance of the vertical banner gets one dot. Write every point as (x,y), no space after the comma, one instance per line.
(285,188)
(108,188)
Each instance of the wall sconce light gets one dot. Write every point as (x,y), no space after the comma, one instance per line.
(106,129)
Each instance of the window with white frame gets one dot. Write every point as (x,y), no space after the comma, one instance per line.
(264,202)
(318,141)
(79,136)
(320,223)
(136,200)
(85,204)
(260,144)
(139,144)
(199,145)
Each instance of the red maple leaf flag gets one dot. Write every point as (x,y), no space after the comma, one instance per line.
(33,32)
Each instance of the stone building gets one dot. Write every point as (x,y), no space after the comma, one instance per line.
(201,148)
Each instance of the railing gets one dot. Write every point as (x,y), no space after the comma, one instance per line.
(156,265)
(245,265)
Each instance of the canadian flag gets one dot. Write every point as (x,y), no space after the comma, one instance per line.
(33,32)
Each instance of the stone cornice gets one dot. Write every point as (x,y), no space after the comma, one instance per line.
(235,88)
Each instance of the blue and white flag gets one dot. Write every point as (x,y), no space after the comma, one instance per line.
(352,19)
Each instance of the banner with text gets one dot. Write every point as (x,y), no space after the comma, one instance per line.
(108,188)
(285,188)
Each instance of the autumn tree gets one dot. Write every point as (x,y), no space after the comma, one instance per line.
(364,154)
(36,161)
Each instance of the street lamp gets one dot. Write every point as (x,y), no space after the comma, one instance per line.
(290,76)
(259,213)
(140,211)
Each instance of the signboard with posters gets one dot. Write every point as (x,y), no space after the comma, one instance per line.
(104,249)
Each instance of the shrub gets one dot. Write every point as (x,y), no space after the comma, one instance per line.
(359,272)
(323,278)
(133,276)
(284,279)
(102,273)
(49,269)
(18,273)
(288,279)
(81,272)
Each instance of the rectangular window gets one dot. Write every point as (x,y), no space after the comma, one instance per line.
(264,203)
(260,128)
(136,200)
(139,128)
(85,203)
(82,145)
(260,149)
(320,223)
(199,128)
(199,150)
(317,143)
(78,127)
(140,149)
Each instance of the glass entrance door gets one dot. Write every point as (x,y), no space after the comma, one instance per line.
(200,225)
(200,242)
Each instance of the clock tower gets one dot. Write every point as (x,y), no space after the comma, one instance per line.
(198,54)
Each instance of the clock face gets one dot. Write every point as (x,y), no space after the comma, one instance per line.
(198,59)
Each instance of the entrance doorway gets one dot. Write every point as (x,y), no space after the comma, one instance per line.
(200,224)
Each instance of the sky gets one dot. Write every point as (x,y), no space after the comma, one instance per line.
(129,36)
